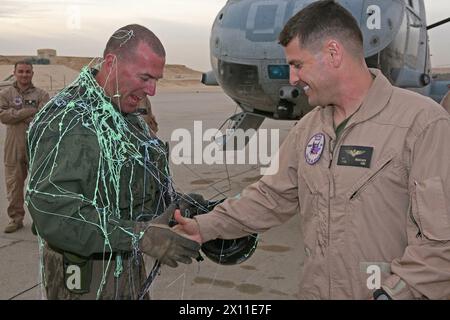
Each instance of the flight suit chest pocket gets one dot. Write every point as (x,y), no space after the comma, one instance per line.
(313,189)
(313,181)
(380,167)
(430,206)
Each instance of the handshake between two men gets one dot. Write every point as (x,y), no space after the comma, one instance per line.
(169,244)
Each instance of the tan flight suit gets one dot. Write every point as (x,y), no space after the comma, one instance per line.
(373,203)
(446,102)
(16,111)
(145,109)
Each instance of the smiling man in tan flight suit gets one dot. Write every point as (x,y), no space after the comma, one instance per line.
(18,104)
(368,171)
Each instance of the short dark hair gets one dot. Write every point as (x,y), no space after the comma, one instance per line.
(28,63)
(322,19)
(127,38)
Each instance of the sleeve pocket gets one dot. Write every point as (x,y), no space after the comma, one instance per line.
(432,209)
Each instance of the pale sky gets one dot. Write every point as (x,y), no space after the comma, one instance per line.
(82,27)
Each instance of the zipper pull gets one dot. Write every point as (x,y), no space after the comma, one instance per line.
(419,232)
(331,153)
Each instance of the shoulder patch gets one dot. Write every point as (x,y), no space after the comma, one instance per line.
(314,148)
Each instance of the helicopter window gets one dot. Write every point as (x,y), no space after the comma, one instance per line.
(399,44)
(278,71)
(413,40)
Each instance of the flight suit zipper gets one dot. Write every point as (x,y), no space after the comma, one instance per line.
(334,145)
(331,153)
(337,143)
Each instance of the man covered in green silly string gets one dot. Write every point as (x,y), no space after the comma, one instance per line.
(99,191)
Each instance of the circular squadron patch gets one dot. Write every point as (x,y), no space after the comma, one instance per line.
(314,148)
(18,101)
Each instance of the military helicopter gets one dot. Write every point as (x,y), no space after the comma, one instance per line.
(249,64)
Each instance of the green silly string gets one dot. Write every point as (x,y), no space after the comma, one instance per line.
(120,147)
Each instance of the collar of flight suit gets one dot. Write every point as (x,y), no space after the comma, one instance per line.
(28,90)
(374,102)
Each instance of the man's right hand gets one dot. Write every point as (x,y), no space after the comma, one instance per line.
(187,226)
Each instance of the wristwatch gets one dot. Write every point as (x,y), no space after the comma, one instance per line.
(380,294)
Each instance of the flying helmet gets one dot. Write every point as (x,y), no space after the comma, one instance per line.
(225,252)
(230,252)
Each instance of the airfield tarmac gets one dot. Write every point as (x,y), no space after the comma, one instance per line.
(272,273)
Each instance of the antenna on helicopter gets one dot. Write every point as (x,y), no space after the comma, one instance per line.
(437,24)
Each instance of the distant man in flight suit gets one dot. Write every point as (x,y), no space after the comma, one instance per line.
(18,104)
(446,102)
(368,171)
